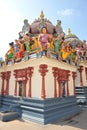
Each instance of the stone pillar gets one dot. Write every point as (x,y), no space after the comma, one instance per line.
(60,89)
(43,70)
(2,90)
(67,88)
(67,79)
(24,82)
(7,76)
(80,69)
(15,90)
(74,77)
(2,75)
(55,73)
(29,92)
(7,85)
(86,72)
(30,72)
(59,79)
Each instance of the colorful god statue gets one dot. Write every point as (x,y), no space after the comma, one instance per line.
(43,40)
(10,53)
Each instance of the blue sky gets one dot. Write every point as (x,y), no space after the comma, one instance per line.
(13,12)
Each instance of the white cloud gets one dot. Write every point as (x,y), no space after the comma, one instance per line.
(65,12)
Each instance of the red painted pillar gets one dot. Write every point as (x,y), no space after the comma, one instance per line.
(7,85)
(2,90)
(15,91)
(86,72)
(24,82)
(30,72)
(60,89)
(59,79)
(43,70)
(29,92)
(74,77)
(3,78)
(67,90)
(67,79)
(43,94)
(7,77)
(55,72)
(80,69)
(8,88)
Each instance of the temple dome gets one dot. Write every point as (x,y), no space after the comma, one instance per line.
(72,38)
(38,23)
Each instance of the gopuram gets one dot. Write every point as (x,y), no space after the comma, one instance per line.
(44,74)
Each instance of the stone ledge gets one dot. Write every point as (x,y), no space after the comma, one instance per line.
(8,115)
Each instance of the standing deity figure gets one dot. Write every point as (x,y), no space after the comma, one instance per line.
(58,28)
(25,29)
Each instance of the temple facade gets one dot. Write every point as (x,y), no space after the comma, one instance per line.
(42,87)
(39,78)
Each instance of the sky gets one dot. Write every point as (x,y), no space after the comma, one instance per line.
(72,14)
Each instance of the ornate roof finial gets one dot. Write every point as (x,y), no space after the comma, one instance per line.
(69,31)
(42,15)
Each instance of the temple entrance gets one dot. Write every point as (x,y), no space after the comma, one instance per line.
(21,88)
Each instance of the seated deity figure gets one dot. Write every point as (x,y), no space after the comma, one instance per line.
(25,29)
(65,53)
(43,41)
(34,45)
(10,53)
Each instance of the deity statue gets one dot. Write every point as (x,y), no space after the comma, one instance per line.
(69,31)
(58,28)
(43,41)
(42,15)
(56,43)
(10,53)
(27,42)
(25,28)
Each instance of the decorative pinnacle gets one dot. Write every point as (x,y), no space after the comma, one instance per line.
(42,15)
(69,31)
